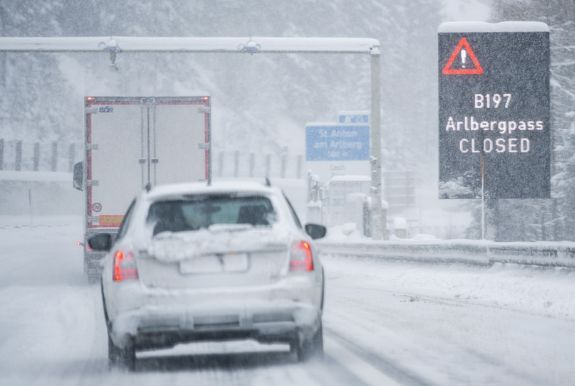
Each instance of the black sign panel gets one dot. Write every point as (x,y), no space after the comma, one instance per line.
(494,115)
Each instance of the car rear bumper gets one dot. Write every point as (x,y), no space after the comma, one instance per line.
(149,317)
(155,327)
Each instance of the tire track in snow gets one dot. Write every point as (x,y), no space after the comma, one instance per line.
(398,327)
(373,368)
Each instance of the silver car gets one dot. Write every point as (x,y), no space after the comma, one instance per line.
(211,262)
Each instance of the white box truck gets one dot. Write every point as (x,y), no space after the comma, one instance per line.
(132,143)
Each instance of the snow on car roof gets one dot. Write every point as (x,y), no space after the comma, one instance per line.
(216,187)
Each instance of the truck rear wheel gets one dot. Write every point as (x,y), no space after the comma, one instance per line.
(93,278)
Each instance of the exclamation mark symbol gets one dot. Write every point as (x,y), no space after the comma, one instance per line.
(463,57)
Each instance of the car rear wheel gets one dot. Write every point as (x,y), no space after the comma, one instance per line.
(312,347)
(124,358)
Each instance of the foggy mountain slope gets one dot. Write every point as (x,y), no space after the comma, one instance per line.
(261,102)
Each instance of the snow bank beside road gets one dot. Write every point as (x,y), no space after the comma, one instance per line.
(456,324)
(545,292)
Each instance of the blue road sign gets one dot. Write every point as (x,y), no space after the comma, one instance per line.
(337,142)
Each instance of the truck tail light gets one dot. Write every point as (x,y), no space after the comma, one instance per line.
(301,257)
(124,266)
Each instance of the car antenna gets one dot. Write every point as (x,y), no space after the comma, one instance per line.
(148,187)
(268,182)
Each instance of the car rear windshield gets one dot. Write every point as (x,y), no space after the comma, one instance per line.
(201,211)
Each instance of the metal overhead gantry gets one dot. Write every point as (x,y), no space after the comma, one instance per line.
(251,45)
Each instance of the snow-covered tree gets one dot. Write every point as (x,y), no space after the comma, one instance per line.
(555,218)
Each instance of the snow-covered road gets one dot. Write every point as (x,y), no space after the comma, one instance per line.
(386,323)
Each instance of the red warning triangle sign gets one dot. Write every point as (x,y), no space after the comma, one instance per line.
(463,53)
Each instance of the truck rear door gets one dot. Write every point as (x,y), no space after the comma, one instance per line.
(133,141)
(113,172)
(178,128)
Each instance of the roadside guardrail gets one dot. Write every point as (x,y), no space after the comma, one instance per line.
(549,254)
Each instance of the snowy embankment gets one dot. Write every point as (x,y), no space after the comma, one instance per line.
(454,324)
(553,254)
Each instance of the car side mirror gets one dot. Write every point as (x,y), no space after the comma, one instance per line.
(315,231)
(78,176)
(100,242)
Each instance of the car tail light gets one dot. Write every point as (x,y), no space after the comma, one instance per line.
(125,266)
(301,258)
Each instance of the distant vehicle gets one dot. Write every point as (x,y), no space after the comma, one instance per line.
(132,142)
(211,262)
